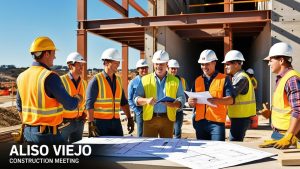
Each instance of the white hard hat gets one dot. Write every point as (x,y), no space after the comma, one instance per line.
(173,63)
(250,71)
(111,54)
(233,55)
(160,56)
(280,49)
(141,63)
(207,56)
(75,57)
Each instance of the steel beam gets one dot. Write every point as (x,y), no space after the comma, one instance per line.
(138,7)
(125,5)
(181,20)
(82,34)
(115,6)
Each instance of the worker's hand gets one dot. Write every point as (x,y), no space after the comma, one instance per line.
(151,101)
(213,101)
(268,143)
(175,104)
(285,142)
(265,111)
(79,97)
(192,101)
(93,131)
(130,125)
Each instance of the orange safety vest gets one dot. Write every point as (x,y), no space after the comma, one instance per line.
(216,114)
(37,107)
(107,106)
(72,90)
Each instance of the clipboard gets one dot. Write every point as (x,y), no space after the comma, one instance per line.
(166,99)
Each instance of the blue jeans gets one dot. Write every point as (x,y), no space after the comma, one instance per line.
(208,130)
(276,135)
(139,124)
(109,127)
(73,132)
(32,135)
(178,124)
(238,128)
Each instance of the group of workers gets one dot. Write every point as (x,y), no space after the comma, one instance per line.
(54,108)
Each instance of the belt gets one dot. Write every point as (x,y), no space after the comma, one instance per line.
(155,114)
(279,131)
(45,129)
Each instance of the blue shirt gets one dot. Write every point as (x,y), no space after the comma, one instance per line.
(227,86)
(160,93)
(54,89)
(131,90)
(93,90)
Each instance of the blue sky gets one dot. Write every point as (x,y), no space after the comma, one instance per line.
(23,21)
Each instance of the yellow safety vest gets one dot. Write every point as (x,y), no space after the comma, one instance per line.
(37,107)
(245,105)
(72,90)
(183,83)
(171,87)
(254,82)
(107,105)
(281,109)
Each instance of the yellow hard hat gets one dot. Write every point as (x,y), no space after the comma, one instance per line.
(42,44)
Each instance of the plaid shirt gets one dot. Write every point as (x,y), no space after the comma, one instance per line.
(292,89)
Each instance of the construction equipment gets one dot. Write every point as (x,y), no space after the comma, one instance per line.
(19,136)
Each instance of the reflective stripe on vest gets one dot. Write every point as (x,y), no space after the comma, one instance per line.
(37,107)
(171,87)
(281,109)
(71,89)
(107,106)
(183,83)
(216,114)
(245,105)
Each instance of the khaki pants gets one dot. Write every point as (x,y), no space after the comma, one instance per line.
(158,126)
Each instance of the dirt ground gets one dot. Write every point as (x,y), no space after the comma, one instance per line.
(9,116)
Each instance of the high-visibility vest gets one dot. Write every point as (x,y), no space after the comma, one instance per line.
(245,105)
(254,82)
(171,87)
(37,107)
(183,81)
(281,109)
(216,88)
(107,104)
(72,90)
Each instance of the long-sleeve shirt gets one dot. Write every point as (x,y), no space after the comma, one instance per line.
(131,90)
(160,93)
(54,89)
(292,89)
(207,81)
(93,90)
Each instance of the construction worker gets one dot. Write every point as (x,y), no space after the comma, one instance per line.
(74,85)
(209,121)
(286,98)
(250,73)
(173,67)
(159,117)
(142,68)
(244,106)
(41,96)
(106,97)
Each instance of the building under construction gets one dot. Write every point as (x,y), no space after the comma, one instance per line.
(184,28)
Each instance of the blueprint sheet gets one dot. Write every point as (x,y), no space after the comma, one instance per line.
(189,153)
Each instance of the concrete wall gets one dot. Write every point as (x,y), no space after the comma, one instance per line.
(259,50)
(285,26)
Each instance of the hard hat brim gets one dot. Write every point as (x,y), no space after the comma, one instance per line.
(206,61)
(267,58)
(159,61)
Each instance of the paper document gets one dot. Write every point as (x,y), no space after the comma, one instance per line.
(201,97)
(166,99)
